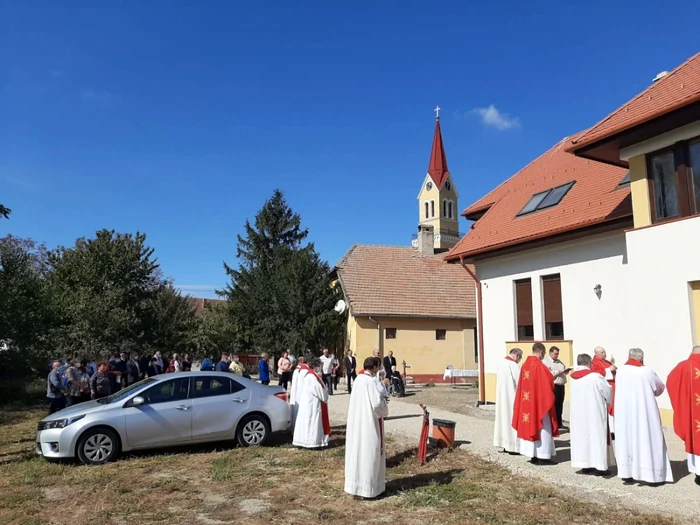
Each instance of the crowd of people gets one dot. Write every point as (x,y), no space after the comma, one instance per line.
(614,417)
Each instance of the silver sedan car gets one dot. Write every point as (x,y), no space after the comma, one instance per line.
(166,410)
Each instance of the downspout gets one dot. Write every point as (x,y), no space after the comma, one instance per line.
(480,331)
(380,341)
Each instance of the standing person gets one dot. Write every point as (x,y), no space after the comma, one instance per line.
(365,454)
(640,447)
(187,363)
(223,364)
(350,369)
(152,368)
(300,369)
(78,383)
(207,364)
(133,371)
(264,368)
(607,369)
(312,426)
(284,370)
(534,416)
(236,367)
(591,395)
(100,383)
(120,366)
(55,390)
(507,374)
(683,385)
(160,366)
(559,372)
(327,362)
(389,361)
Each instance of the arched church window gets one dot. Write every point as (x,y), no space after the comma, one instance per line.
(432,208)
(444,207)
(449,209)
(426,209)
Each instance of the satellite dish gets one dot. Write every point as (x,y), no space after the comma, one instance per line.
(340,306)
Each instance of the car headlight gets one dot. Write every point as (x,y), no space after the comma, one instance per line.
(62,423)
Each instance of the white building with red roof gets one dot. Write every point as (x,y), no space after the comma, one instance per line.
(594,243)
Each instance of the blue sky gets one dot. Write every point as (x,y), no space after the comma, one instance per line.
(179,119)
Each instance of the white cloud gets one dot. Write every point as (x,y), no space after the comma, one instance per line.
(100,97)
(490,116)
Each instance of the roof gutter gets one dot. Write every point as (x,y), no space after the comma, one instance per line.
(480,331)
(380,345)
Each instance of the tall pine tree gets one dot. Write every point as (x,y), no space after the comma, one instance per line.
(280,294)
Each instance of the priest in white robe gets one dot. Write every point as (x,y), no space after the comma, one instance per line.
(293,395)
(312,426)
(591,395)
(640,446)
(507,374)
(365,454)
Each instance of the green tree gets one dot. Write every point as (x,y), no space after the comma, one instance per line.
(280,294)
(5,212)
(213,331)
(102,288)
(169,321)
(25,315)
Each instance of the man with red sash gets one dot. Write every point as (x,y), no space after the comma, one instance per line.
(365,454)
(534,414)
(591,395)
(683,385)
(312,427)
(640,446)
(608,370)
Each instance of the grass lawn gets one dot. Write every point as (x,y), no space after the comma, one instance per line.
(272,484)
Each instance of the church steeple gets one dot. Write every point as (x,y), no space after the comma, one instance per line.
(437,200)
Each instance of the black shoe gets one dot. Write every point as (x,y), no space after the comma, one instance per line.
(588,471)
(697,479)
(601,472)
(628,481)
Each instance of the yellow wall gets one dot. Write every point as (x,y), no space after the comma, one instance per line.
(641,205)
(416,344)
(439,222)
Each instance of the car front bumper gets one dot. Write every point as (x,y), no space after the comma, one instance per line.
(54,443)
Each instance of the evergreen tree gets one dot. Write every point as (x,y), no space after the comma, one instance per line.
(5,212)
(280,295)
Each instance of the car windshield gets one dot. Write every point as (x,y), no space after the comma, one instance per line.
(126,392)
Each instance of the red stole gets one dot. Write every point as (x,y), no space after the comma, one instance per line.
(324,406)
(534,399)
(599,365)
(510,358)
(581,373)
(683,386)
(633,362)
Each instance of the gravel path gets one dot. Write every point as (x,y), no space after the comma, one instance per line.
(680,499)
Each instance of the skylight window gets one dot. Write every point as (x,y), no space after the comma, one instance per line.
(625,181)
(546,199)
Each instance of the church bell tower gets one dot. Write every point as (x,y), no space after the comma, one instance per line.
(437,199)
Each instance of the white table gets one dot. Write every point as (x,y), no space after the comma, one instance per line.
(453,373)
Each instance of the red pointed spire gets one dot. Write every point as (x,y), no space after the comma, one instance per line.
(437,168)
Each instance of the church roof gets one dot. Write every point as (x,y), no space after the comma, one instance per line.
(556,193)
(399,281)
(437,167)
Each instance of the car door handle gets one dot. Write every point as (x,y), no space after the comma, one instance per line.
(239,399)
(183,407)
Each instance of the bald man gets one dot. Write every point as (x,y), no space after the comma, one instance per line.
(608,370)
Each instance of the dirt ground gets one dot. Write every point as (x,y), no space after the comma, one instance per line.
(461,399)
(216,485)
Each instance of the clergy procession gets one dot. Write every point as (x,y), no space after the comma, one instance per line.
(614,416)
(365,454)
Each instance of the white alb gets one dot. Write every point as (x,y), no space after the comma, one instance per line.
(504,435)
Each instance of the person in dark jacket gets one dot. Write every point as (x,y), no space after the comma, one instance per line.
(100,383)
(133,371)
(152,368)
(264,368)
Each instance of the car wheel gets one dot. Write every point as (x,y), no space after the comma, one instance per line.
(253,430)
(98,446)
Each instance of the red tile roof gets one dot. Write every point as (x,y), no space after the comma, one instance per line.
(678,88)
(593,199)
(399,281)
(437,167)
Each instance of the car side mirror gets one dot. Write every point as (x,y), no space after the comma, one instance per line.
(138,401)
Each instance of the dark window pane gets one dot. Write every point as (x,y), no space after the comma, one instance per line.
(440,335)
(555,196)
(534,202)
(553,317)
(391,333)
(694,164)
(211,386)
(663,174)
(174,390)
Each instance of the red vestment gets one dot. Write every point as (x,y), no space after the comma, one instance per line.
(599,365)
(325,419)
(683,386)
(534,399)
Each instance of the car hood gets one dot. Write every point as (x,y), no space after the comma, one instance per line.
(76,410)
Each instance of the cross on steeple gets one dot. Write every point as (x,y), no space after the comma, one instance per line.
(437,112)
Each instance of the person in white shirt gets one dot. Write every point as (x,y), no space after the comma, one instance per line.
(328,361)
(311,426)
(559,371)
